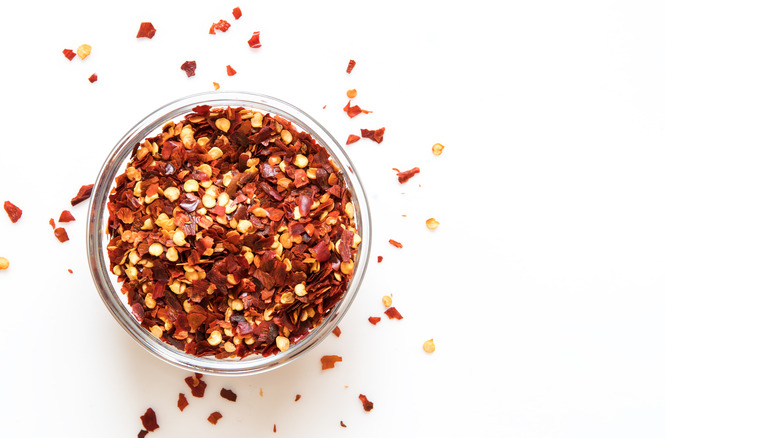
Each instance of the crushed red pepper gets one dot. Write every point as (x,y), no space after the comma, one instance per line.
(367,405)
(189,68)
(374,319)
(352,138)
(220,25)
(342,424)
(393,313)
(374,134)
(396,243)
(51,222)
(66,216)
(254,40)
(149,420)
(238,243)
(84,193)
(14,212)
(146,30)
(337,331)
(274,428)
(93,78)
(142,433)
(406,175)
(70,54)
(61,234)
(228,394)
(352,111)
(237,13)
(196,383)
(182,403)
(351,65)
(297,397)
(230,71)
(214,417)
(329,361)
(379,259)
(352,93)
(70,271)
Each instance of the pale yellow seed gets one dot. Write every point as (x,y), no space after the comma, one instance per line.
(429,346)
(214,153)
(301,160)
(311,173)
(191,185)
(300,289)
(209,201)
(229,347)
(171,194)
(172,254)
(179,238)
(282,343)
(133,257)
(4,263)
(437,149)
(149,302)
(230,208)
(157,331)
(223,198)
(84,50)
(257,120)
(244,226)
(387,301)
(232,279)
(287,298)
(215,338)
(432,224)
(223,124)
(260,212)
(286,136)
(156,249)
(347,267)
(237,305)
(273,160)
(349,209)
(131,273)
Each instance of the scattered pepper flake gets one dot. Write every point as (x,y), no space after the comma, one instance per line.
(214,417)
(261,392)
(146,30)
(84,193)
(352,138)
(220,25)
(351,65)
(92,79)
(395,243)
(274,428)
(407,174)
(196,384)
(329,361)
(149,420)
(342,424)
(216,86)
(387,301)
(70,54)
(182,402)
(189,68)
(297,397)
(379,259)
(352,111)
(4,263)
(432,224)
(228,394)
(70,271)
(393,313)
(437,149)
(61,234)
(375,134)
(337,331)
(374,319)
(66,216)
(14,212)
(367,405)
(254,40)
(83,50)
(230,71)
(237,13)
(142,433)
(352,93)
(429,346)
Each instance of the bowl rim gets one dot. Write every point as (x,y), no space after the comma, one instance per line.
(97,256)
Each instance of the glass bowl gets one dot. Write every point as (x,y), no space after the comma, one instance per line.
(109,289)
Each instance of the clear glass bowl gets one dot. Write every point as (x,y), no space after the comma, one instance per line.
(109,289)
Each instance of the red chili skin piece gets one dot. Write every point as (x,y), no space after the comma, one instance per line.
(228,394)
(182,403)
(196,384)
(70,54)
(342,424)
(406,175)
(142,433)
(93,78)
(149,420)
(351,65)
(393,313)
(379,259)
(51,222)
(329,361)
(297,397)
(337,331)
(395,243)
(14,212)
(189,68)
(214,417)
(377,135)
(352,138)
(84,193)
(374,319)
(230,71)
(66,216)
(61,234)
(352,111)
(146,30)
(221,26)
(254,40)
(211,30)
(237,13)
(367,405)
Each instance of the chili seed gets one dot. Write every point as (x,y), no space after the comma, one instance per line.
(4,263)
(387,301)
(429,346)
(437,149)
(83,50)
(432,224)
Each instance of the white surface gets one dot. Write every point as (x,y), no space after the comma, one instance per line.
(603,255)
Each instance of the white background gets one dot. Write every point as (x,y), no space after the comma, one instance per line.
(607,256)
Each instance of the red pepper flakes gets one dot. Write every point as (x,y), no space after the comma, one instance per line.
(379,259)
(406,175)
(216,86)
(66,216)
(342,424)
(337,331)
(367,405)
(352,111)
(297,397)
(351,65)
(84,193)
(70,54)
(142,433)
(93,78)
(214,417)
(237,13)
(197,386)
(149,420)
(377,135)
(220,25)
(211,30)
(254,40)
(14,212)
(274,428)
(329,362)
(61,234)
(228,394)
(352,138)
(182,403)
(352,93)
(395,243)
(374,319)
(70,271)
(230,71)
(146,30)
(393,313)
(189,68)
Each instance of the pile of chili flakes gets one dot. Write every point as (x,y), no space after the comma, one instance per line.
(233,233)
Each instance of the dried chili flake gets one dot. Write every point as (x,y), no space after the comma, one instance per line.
(342,424)
(228,394)
(352,138)
(220,25)
(329,362)
(374,134)
(216,86)
(4,263)
(149,420)
(182,402)
(211,29)
(84,193)
(66,216)
(189,68)
(337,331)
(70,54)
(214,417)
(393,313)
(374,319)
(70,271)
(352,93)
(352,111)
(196,384)
(297,397)
(142,433)
(146,30)
(237,13)
(14,212)
(379,259)
(396,243)
(93,78)
(230,71)
(407,174)
(254,40)
(61,234)
(274,428)
(351,65)
(367,405)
